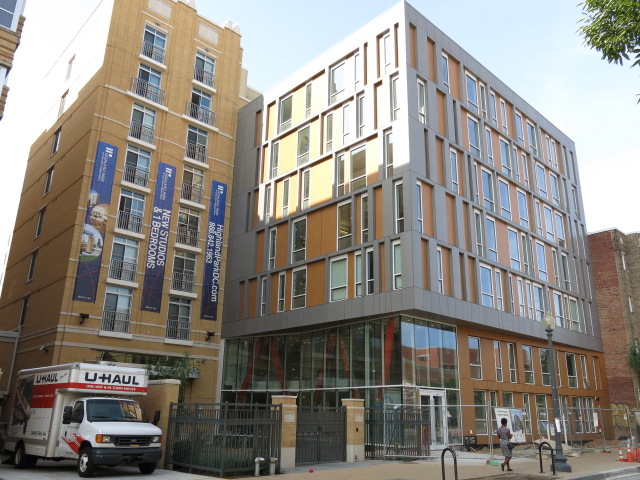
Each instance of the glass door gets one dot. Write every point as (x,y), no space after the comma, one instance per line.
(434,413)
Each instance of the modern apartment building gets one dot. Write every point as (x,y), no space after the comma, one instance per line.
(11,23)
(616,274)
(409,221)
(118,252)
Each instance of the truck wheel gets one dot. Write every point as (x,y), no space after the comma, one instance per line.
(147,468)
(20,458)
(86,467)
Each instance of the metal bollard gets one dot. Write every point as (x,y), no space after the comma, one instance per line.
(272,465)
(258,461)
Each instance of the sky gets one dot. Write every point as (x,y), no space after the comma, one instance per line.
(531,45)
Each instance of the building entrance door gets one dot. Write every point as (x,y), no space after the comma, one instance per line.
(434,411)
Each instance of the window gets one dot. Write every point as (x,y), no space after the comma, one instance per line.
(440,270)
(527,412)
(307,101)
(340,175)
(188,226)
(499,296)
(204,71)
(419,206)
(630,304)
(345,124)
(275,159)
(555,192)
(399,207)
(336,82)
(369,270)
(387,55)
(303,146)
(505,158)
(23,310)
(338,279)
(154,43)
(595,364)
(357,70)
(492,242)
(358,274)
(299,241)
(124,259)
(282,285)
(358,168)
(475,358)
(525,169)
(272,248)
(197,144)
(360,115)
(514,249)
(556,269)
(365,219)
(192,183)
(136,166)
(527,360)
(521,298)
(542,180)
(69,64)
(286,109)
(184,272)
(483,100)
(474,136)
(486,286)
(40,221)
(263,296)
(453,160)
(32,265)
(344,225)
(445,72)
(285,197)
(572,314)
(533,140)
(503,114)
(544,366)
(63,100)
(117,309)
(564,261)
(130,211)
(388,152)
(516,164)
(523,209)
(480,401)
(472,93)
(492,109)
(529,300)
(56,140)
(299,288)
(143,121)
(397,264)
(538,299)
(179,318)
(548,221)
(505,199)
(519,129)
(489,145)
(479,233)
(200,107)
(487,190)
(147,84)
(572,372)
(395,105)
(527,254)
(507,399)
(497,355)
(329,133)
(542,261)
(306,189)
(422,101)
(513,377)
(585,372)
(267,203)
(47,181)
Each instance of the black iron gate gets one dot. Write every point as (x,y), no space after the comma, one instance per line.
(321,434)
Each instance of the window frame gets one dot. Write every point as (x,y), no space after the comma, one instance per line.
(343,286)
(296,296)
(474,344)
(396,256)
(295,252)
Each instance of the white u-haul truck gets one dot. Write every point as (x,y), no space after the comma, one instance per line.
(84,412)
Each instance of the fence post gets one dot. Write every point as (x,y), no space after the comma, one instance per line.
(354,429)
(289,429)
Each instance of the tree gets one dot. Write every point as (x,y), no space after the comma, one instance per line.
(613,28)
(178,368)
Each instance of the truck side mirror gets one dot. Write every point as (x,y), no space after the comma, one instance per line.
(66,415)
(156,417)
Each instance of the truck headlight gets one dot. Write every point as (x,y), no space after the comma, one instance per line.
(103,438)
(157,439)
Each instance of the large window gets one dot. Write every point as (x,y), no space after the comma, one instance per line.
(299,288)
(143,121)
(475,358)
(480,401)
(486,285)
(136,166)
(299,240)
(130,211)
(544,366)
(117,309)
(192,183)
(124,259)
(338,279)
(286,109)
(541,257)
(505,158)
(154,43)
(397,264)
(188,226)
(179,318)
(474,136)
(345,225)
(533,138)
(523,209)
(303,146)
(572,372)
(472,93)
(358,168)
(519,129)
(527,360)
(514,250)
(184,272)
(336,82)
(197,144)
(204,71)
(487,190)
(200,107)
(492,241)
(147,84)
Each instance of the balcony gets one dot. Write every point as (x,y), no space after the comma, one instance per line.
(202,76)
(187,236)
(148,90)
(120,270)
(191,192)
(178,329)
(202,114)
(135,175)
(153,52)
(113,321)
(141,131)
(196,151)
(129,221)
(182,282)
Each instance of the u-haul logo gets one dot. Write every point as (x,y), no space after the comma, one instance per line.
(47,378)
(111,379)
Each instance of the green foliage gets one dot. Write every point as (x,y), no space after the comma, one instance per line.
(634,357)
(178,368)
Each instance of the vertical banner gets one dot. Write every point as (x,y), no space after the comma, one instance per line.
(158,238)
(213,252)
(95,223)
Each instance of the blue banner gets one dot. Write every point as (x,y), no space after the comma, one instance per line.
(158,239)
(213,252)
(95,223)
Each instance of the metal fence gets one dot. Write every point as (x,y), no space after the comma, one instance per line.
(222,438)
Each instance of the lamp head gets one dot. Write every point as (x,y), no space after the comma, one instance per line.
(548,322)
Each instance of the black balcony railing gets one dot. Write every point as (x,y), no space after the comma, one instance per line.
(121,270)
(141,131)
(196,151)
(182,281)
(135,175)
(129,221)
(178,329)
(191,192)
(202,76)
(153,51)
(202,114)
(113,321)
(148,90)
(187,236)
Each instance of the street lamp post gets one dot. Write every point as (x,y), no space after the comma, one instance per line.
(549,324)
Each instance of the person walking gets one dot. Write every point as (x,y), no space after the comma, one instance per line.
(504,435)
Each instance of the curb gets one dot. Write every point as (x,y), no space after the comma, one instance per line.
(607,474)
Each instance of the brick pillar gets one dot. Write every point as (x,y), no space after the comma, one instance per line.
(160,394)
(289,429)
(354,429)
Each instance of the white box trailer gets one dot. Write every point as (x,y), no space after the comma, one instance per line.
(84,412)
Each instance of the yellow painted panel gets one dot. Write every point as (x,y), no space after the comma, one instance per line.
(266,162)
(372,161)
(282,242)
(299,101)
(288,153)
(322,181)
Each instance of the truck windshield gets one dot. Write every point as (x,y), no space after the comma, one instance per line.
(114,410)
